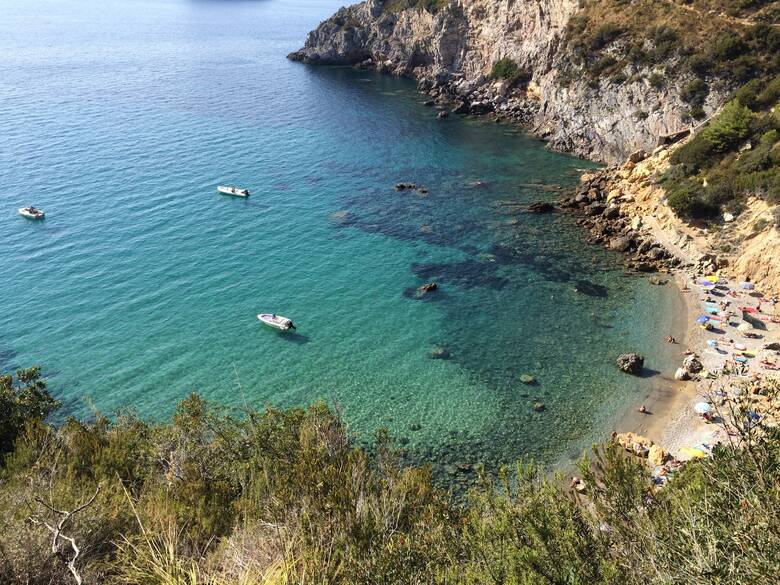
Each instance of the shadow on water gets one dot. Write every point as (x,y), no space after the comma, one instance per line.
(648,373)
(294,337)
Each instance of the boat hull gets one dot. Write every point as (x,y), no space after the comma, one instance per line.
(276,321)
(234,191)
(25,213)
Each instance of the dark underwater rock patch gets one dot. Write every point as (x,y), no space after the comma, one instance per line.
(591,289)
(466,273)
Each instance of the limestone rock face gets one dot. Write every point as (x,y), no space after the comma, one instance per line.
(656,455)
(453,50)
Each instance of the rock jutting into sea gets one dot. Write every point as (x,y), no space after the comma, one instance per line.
(451,50)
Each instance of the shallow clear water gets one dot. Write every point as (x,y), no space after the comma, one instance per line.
(120,118)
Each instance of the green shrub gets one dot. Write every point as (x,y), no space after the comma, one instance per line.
(602,65)
(770,95)
(605,34)
(23,399)
(695,92)
(727,47)
(747,95)
(700,65)
(285,496)
(686,200)
(506,68)
(697,113)
(665,40)
(730,128)
(656,80)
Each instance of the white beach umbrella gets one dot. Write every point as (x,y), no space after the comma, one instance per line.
(702,408)
(744,326)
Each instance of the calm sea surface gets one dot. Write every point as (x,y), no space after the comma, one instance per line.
(119,119)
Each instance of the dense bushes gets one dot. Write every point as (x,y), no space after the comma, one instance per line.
(737,153)
(283,496)
(507,69)
(23,399)
(697,42)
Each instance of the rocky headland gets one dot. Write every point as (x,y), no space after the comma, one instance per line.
(542,80)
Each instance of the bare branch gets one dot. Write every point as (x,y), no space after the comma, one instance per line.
(58,536)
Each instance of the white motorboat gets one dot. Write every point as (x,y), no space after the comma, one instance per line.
(276,321)
(31,213)
(231,190)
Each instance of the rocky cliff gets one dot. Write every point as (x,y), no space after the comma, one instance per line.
(624,208)
(453,49)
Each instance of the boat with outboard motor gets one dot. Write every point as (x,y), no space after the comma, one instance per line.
(232,190)
(276,321)
(31,212)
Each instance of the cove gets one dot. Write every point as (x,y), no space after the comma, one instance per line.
(142,284)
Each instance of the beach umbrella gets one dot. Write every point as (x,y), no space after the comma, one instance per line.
(744,326)
(706,283)
(747,285)
(703,319)
(712,278)
(712,310)
(702,408)
(712,342)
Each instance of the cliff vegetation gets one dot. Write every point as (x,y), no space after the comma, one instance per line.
(285,496)
(737,154)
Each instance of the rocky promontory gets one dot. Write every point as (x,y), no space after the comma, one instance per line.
(521,60)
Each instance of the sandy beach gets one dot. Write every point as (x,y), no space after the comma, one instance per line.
(671,421)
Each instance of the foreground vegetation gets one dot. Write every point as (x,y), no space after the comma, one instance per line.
(283,496)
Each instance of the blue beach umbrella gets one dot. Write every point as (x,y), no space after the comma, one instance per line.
(703,319)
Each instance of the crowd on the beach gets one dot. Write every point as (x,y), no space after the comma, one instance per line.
(736,349)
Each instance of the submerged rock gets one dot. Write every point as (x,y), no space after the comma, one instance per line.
(590,288)
(539,406)
(657,280)
(426,289)
(527,379)
(630,363)
(541,207)
(439,353)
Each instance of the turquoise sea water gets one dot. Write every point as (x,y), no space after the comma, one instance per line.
(120,118)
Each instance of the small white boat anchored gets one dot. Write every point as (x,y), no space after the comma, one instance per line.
(231,190)
(31,213)
(276,321)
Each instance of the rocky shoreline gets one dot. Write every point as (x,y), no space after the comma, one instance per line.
(612,226)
